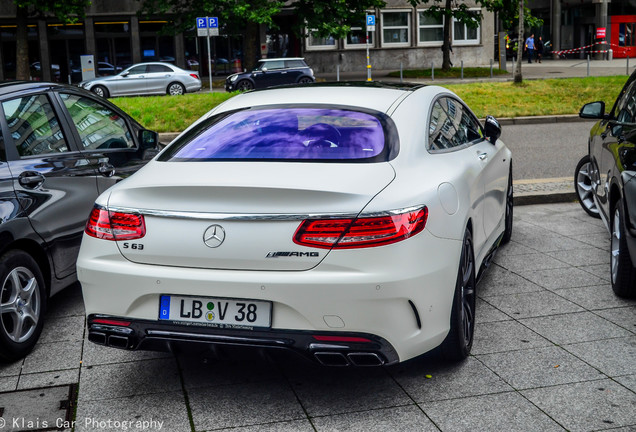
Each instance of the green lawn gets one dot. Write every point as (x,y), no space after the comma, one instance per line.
(455,72)
(500,99)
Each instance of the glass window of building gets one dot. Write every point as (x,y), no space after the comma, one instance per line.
(465,35)
(431,29)
(396,28)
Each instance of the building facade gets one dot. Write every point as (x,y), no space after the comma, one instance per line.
(572,25)
(116,36)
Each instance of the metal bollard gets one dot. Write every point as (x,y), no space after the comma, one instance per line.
(337,72)
(432,71)
(401,72)
(588,65)
(462,64)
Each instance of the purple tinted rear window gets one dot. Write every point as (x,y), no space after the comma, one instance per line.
(287,134)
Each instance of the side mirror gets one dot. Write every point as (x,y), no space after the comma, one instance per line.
(148,139)
(492,129)
(593,110)
(264,70)
(125,73)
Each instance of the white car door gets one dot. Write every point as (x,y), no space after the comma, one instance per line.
(448,140)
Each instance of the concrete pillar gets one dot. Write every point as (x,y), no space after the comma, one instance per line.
(601,21)
(45,59)
(179,47)
(89,37)
(135,39)
(556,25)
(1,62)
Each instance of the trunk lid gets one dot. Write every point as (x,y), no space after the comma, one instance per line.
(246,212)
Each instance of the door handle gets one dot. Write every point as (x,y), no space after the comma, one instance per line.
(483,156)
(106,169)
(31,179)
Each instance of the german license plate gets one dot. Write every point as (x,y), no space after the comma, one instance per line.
(211,310)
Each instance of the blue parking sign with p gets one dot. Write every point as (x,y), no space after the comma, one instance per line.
(371,20)
(213,22)
(201,23)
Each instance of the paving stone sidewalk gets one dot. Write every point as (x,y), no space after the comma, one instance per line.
(554,350)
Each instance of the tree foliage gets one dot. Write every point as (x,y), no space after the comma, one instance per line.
(67,11)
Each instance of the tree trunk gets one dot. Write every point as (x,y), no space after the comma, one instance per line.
(22,45)
(520,45)
(446,46)
(251,45)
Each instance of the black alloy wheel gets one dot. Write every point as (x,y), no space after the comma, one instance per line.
(305,80)
(509,210)
(459,340)
(622,271)
(245,85)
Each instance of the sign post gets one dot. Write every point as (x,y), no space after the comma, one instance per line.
(208,26)
(370,28)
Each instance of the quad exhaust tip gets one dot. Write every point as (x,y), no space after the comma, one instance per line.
(109,340)
(339,359)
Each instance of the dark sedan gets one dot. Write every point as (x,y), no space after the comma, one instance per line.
(271,72)
(605,181)
(60,147)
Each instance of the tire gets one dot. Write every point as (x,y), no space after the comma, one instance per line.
(22,305)
(305,80)
(175,89)
(509,210)
(459,340)
(583,187)
(244,85)
(622,271)
(100,91)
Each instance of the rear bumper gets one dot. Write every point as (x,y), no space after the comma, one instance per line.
(361,349)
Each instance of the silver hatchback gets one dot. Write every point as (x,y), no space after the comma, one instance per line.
(145,79)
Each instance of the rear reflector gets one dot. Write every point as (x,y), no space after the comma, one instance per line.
(341,339)
(111,322)
(360,232)
(115,226)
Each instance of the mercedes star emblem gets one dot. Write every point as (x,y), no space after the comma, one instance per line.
(214,236)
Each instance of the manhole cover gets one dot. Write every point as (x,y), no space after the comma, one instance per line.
(42,409)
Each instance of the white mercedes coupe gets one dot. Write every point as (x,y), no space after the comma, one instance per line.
(348,222)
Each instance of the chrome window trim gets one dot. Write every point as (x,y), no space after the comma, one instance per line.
(258,217)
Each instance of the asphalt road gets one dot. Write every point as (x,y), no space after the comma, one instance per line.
(548,150)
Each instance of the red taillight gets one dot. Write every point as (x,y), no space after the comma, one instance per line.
(111,322)
(341,339)
(360,232)
(194,76)
(115,226)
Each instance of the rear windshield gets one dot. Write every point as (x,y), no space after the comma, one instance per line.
(288,134)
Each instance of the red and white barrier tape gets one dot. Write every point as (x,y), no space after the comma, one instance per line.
(574,50)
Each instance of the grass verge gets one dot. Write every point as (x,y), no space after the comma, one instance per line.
(500,99)
(170,113)
(538,97)
(455,72)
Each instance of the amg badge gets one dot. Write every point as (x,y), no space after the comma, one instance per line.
(292,254)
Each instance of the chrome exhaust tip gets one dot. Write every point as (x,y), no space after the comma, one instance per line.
(98,338)
(331,358)
(365,359)
(118,342)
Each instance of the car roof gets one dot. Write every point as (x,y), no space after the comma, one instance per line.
(7,87)
(377,96)
(281,58)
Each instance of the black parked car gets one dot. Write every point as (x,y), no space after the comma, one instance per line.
(271,72)
(60,147)
(605,181)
